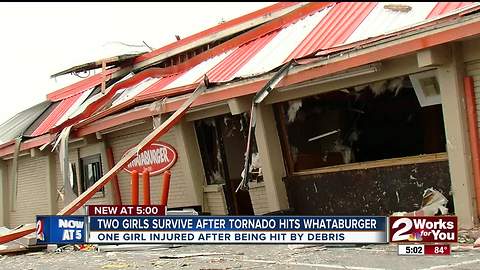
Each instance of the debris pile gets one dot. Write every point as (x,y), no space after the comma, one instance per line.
(433,202)
(26,243)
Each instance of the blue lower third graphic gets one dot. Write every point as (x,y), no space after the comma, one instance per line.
(61,229)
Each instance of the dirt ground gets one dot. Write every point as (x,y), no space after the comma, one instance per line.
(369,257)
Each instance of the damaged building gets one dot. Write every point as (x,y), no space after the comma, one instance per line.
(345,109)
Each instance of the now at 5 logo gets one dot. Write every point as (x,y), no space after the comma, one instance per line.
(40,230)
(423,229)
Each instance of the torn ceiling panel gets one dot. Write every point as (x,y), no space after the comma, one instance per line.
(132,91)
(197,72)
(83,97)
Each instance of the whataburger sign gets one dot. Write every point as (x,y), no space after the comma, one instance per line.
(157,158)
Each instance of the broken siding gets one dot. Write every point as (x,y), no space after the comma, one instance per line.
(473,69)
(32,190)
(216,201)
(258,195)
(180,194)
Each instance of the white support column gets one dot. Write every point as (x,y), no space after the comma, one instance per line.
(450,78)
(189,151)
(51,184)
(270,151)
(3,194)
(108,188)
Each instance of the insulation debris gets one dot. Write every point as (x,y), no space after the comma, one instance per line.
(433,202)
(293,108)
(394,85)
(324,135)
(158,107)
(255,166)
(345,150)
(360,87)
(378,88)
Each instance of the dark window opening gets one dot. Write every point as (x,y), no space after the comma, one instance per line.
(222,140)
(378,121)
(212,157)
(91,171)
(73,178)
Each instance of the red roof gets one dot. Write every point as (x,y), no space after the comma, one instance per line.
(55,115)
(81,86)
(334,28)
(444,7)
(232,63)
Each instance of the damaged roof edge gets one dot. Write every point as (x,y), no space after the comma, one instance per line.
(352,46)
(118,60)
(400,46)
(236,25)
(209,35)
(16,125)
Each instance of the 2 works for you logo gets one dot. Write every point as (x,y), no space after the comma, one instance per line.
(423,229)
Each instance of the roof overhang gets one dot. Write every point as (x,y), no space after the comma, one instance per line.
(377,51)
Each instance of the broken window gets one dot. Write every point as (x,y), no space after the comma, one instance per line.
(212,158)
(91,167)
(222,140)
(381,120)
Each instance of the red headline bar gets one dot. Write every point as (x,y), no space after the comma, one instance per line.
(126,210)
(437,250)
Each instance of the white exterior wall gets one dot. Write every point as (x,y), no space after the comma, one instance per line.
(32,190)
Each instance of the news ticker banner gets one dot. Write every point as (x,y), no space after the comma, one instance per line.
(149,224)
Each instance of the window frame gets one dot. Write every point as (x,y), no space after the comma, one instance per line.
(86,161)
(281,124)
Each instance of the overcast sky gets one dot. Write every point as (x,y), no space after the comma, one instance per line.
(40,39)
